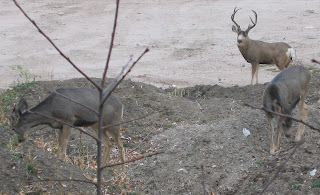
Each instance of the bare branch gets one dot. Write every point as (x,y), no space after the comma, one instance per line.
(133,160)
(68,180)
(142,141)
(284,115)
(281,166)
(74,101)
(111,44)
(60,52)
(70,125)
(129,70)
(205,192)
(315,61)
(138,118)
(115,80)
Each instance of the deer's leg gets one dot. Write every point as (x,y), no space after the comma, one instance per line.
(282,63)
(303,109)
(287,64)
(255,69)
(64,134)
(107,145)
(115,133)
(277,144)
(272,146)
(107,148)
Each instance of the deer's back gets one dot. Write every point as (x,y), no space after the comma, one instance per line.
(293,77)
(290,82)
(62,108)
(264,52)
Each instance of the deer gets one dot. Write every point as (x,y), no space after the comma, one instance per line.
(57,106)
(281,95)
(258,52)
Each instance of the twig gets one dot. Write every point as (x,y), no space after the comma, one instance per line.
(111,44)
(284,115)
(135,119)
(142,141)
(60,52)
(281,166)
(129,70)
(315,61)
(133,160)
(55,91)
(65,123)
(205,192)
(111,85)
(68,180)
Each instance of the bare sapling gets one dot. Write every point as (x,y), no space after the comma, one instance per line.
(57,107)
(281,95)
(258,52)
(80,107)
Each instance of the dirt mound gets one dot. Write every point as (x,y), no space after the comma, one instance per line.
(23,168)
(203,126)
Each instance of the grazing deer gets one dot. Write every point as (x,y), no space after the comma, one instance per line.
(57,107)
(259,52)
(281,95)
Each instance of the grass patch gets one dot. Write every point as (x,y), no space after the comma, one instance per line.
(273,70)
(8,98)
(314,69)
(266,65)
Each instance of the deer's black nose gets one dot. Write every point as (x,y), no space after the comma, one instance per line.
(239,41)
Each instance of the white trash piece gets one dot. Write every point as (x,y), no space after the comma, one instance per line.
(313,172)
(246,132)
(182,170)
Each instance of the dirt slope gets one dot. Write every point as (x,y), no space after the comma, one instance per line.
(203,126)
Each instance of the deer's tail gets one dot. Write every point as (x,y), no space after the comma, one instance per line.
(291,53)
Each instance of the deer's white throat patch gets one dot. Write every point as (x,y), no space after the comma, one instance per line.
(240,38)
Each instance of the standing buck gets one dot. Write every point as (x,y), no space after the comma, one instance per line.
(259,52)
(281,95)
(57,107)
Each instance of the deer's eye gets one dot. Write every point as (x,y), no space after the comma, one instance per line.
(284,124)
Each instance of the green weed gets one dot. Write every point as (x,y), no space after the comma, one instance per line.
(253,188)
(296,186)
(13,141)
(315,184)
(30,165)
(24,75)
(259,161)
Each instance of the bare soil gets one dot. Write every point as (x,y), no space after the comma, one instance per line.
(191,42)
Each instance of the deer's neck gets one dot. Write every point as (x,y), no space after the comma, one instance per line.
(243,48)
(33,119)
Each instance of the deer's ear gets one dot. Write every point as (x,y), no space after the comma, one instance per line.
(234,29)
(22,106)
(294,103)
(276,106)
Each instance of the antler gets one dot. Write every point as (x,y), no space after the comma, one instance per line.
(232,16)
(254,23)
